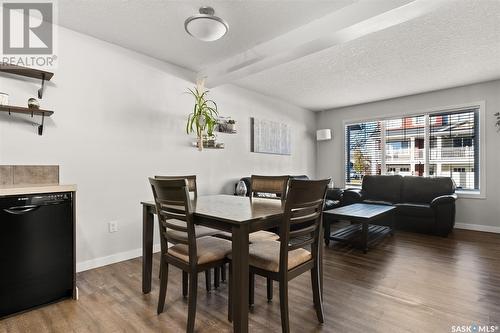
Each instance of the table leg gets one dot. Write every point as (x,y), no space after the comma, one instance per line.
(365,237)
(327,234)
(393,222)
(240,278)
(147,248)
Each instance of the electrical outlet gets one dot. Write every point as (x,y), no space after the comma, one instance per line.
(113,226)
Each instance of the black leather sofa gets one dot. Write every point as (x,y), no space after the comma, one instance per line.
(333,196)
(423,204)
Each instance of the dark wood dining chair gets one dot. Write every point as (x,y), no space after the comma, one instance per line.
(192,255)
(273,187)
(287,258)
(276,187)
(200,231)
(269,185)
(191,179)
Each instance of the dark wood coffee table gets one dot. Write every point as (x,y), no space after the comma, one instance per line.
(363,228)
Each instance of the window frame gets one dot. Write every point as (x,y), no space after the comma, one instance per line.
(481,106)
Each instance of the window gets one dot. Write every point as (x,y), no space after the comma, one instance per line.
(435,144)
(364,151)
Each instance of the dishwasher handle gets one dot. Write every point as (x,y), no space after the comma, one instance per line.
(20,210)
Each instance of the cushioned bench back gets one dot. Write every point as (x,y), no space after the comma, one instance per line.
(382,188)
(425,189)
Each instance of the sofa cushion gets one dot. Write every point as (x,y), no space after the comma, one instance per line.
(413,209)
(382,188)
(425,189)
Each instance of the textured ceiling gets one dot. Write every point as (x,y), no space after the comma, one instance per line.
(156,27)
(455,45)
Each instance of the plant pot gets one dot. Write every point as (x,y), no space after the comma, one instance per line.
(4,98)
(199,143)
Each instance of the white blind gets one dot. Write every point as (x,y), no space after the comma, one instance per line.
(454,147)
(405,146)
(363,153)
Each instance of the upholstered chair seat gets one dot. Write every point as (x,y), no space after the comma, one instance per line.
(266,255)
(262,235)
(209,249)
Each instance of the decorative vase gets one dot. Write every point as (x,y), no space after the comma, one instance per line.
(33,103)
(241,188)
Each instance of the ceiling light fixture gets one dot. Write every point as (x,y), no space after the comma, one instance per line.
(206,26)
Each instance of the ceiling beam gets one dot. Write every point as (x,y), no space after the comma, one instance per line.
(351,22)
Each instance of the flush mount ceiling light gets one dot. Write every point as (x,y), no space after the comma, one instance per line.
(206,26)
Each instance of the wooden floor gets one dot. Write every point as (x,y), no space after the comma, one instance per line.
(407,283)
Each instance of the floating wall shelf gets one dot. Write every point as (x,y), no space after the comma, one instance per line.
(29,111)
(32,73)
(28,72)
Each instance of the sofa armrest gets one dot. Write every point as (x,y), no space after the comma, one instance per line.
(334,194)
(444,200)
(444,212)
(352,196)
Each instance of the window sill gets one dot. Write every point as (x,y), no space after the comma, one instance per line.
(470,195)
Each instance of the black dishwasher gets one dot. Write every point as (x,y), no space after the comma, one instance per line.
(36,250)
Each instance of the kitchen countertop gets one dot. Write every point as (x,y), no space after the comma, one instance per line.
(6,190)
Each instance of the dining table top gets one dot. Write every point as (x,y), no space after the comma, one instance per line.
(234,209)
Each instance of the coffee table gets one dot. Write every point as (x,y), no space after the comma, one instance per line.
(363,228)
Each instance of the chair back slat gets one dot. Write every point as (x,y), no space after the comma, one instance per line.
(303,211)
(301,244)
(269,185)
(176,227)
(303,231)
(174,215)
(174,204)
(191,179)
(304,218)
(176,238)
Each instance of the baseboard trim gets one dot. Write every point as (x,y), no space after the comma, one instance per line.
(112,259)
(478,227)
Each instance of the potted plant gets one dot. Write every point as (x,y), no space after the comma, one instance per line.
(203,119)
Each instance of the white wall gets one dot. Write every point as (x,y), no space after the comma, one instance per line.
(119,118)
(475,212)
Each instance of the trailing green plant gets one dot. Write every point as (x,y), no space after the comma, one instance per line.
(204,117)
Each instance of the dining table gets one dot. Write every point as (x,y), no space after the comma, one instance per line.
(237,215)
